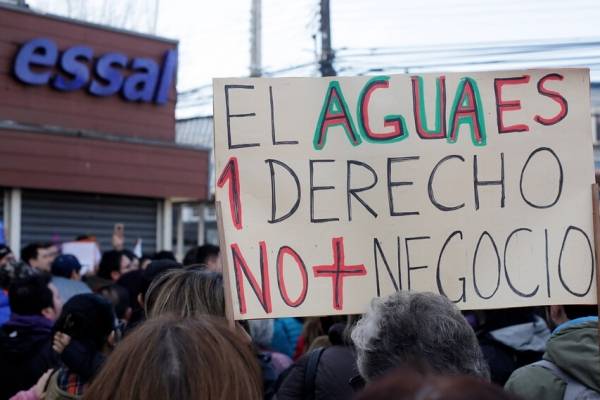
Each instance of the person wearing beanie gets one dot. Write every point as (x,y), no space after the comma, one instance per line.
(65,276)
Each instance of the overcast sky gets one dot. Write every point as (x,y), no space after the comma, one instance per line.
(214,35)
(215,41)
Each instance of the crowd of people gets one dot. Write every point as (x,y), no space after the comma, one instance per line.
(154,328)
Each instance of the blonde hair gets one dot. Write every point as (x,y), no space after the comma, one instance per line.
(186,293)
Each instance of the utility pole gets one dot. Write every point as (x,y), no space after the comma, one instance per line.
(256,39)
(326,61)
(155,21)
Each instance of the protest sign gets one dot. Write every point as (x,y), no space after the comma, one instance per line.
(472,185)
(87,253)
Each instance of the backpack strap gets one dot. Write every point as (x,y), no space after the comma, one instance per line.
(574,389)
(310,372)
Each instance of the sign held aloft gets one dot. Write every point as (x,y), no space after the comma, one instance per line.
(337,190)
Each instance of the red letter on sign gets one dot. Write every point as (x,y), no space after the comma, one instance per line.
(231,173)
(557,97)
(263,292)
(280,281)
(338,271)
(508,105)
(335,112)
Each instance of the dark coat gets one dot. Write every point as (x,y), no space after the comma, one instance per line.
(336,367)
(25,353)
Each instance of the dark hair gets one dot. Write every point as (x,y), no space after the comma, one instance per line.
(119,298)
(4,250)
(199,254)
(164,255)
(186,293)
(132,282)
(130,254)
(406,384)
(111,262)
(30,295)
(155,269)
(579,311)
(30,251)
(170,358)
(87,318)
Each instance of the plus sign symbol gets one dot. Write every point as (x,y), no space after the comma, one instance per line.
(337,271)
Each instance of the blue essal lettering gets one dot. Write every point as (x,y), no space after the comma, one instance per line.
(140,85)
(168,71)
(39,52)
(107,69)
(74,63)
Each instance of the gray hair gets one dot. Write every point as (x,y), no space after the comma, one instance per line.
(419,330)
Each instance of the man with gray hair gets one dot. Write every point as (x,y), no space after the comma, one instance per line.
(418,330)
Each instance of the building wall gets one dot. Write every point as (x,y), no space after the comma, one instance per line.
(42,161)
(42,105)
(74,141)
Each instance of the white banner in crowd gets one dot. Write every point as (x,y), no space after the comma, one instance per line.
(472,185)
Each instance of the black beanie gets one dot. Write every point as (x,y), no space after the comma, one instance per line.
(88,318)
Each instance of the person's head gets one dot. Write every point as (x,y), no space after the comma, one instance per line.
(35,295)
(114,263)
(207,255)
(66,266)
(145,261)
(87,318)
(261,332)
(119,297)
(406,384)
(152,271)
(169,358)
(134,261)
(557,315)
(39,255)
(132,282)
(186,293)
(164,255)
(417,329)
(6,255)
(14,270)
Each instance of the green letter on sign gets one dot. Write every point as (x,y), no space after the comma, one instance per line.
(334,112)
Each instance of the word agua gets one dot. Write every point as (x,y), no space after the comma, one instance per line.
(467,108)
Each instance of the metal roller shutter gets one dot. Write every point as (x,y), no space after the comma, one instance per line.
(62,216)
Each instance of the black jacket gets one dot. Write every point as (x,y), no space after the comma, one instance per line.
(25,353)
(336,366)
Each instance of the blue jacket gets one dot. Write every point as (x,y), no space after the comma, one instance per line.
(4,308)
(286,332)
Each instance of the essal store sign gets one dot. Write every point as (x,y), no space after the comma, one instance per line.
(39,62)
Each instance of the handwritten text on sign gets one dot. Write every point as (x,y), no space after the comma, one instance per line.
(337,190)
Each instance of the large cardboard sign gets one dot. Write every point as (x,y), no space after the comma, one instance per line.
(472,185)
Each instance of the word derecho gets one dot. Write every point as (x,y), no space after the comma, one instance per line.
(474,186)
